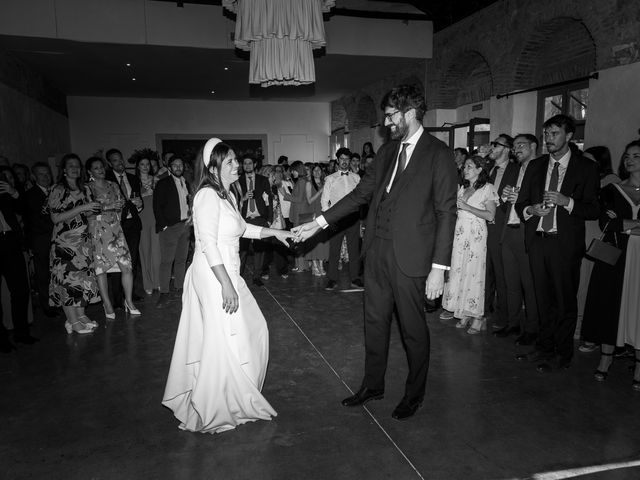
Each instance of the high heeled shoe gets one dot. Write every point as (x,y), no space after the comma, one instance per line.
(109,316)
(601,375)
(131,310)
(463,322)
(478,325)
(89,323)
(69,327)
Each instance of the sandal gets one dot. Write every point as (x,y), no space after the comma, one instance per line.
(601,375)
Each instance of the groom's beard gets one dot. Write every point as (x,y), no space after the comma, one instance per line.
(400,130)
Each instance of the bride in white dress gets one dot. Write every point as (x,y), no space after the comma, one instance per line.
(222,346)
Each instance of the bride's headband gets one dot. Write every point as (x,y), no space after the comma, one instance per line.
(208,148)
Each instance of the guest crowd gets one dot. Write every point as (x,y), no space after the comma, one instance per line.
(102,233)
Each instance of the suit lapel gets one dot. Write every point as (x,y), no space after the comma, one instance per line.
(569,176)
(415,162)
(389,164)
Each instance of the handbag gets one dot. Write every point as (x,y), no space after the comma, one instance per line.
(603,251)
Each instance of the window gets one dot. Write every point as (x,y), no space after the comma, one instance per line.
(572,100)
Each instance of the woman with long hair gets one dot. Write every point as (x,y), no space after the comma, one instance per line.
(320,251)
(149,248)
(300,212)
(109,245)
(464,290)
(222,346)
(612,312)
(73,284)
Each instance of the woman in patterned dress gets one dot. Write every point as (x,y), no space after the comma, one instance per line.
(464,291)
(72,284)
(108,238)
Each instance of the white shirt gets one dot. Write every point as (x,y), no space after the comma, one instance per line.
(562,170)
(337,186)
(4,226)
(183,193)
(412,141)
(513,216)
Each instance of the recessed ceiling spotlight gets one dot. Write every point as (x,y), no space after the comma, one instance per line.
(134,79)
(128,64)
(213,91)
(226,68)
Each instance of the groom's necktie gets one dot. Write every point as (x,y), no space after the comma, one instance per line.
(547,220)
(402,163)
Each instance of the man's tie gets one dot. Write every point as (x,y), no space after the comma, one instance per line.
(252,201)
(123,186)
(402,163)
(344,173)
(547,221)
(494,174)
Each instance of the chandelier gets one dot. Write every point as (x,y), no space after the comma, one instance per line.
(280,36)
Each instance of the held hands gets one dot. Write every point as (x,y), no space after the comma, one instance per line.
(229,298)
(305,231)
(283,236)
(435,283)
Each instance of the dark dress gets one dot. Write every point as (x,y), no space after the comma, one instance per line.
(602,309)
(73,282)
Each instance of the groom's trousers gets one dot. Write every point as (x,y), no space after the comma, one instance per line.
(387,287)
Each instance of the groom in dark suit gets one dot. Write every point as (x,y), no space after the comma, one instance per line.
(559,192)
(411,189)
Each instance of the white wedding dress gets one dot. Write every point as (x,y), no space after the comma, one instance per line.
(219,360)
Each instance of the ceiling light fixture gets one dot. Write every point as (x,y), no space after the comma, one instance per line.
(128,64)
(280,37)
(213,91)
(226,68)
(134,79)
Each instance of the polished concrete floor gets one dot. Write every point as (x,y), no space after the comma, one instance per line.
(88,407)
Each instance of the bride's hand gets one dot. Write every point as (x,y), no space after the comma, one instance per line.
(283,235)
(229,298)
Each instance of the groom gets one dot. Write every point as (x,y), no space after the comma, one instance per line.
(411,190)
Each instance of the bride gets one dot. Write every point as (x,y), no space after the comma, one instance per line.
(222,346)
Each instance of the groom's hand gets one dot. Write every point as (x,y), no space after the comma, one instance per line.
(435,283)
(305,231)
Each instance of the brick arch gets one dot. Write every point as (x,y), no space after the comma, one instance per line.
(365,114)
(338,116)
(560,49)
(467,79)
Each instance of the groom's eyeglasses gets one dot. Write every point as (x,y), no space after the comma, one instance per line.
(495,144)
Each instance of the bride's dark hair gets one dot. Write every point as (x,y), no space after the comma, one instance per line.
(210,175)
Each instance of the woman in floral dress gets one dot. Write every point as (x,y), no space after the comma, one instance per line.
(72,284)
(464,291)
(108,238)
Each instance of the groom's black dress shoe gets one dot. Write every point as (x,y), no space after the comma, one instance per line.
(406,409)
(362,396)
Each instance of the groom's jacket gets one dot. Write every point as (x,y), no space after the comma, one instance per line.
(424,200)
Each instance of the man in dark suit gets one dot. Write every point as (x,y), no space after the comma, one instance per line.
(559,192)
(412,193)
(171,209)
(495,284)
(515,259)
(12,265)
(257,209)
(129,218)
(38,228)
